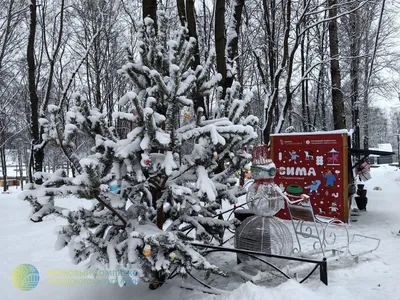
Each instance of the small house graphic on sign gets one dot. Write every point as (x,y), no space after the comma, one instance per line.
(333,158)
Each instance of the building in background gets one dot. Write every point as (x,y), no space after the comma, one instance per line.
(377,159)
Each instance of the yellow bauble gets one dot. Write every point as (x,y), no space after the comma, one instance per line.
(187,115)
(172,256)
(147,250)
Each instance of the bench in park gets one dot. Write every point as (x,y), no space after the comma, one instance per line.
(10,182)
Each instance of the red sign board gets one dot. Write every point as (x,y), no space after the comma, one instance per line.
(314,164)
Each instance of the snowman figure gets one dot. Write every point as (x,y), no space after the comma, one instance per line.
(262,197)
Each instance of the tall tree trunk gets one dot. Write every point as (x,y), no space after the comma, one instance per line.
(4,167)
(303,86)
(97,79)
(339,119)
(6,36)
(149,9)
(269,20)
(288,59)
(232,44)
(320,110)
(269,112)
(220,41)
(323,108)
(52,58)
(191,20)
(369,73)
(181,11)
(354,75)
(305,47)
(366,93)
(38,154)
(308,111)
(20,167)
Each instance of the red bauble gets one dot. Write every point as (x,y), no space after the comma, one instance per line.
(147,161)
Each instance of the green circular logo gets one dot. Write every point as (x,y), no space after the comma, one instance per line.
(25,277)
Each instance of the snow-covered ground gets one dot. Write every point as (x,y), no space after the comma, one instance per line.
(375,277)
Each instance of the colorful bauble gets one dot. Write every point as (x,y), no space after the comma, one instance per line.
(172,256)
(147,250)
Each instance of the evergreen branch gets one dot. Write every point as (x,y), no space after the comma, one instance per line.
(181,38)
(71,158)
(79,170)
(159,81)
(132,71)
(187,54)
(183,173)
(111,209)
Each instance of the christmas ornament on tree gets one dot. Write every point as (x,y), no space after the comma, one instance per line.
(114,186)
(172,256)
(147,250)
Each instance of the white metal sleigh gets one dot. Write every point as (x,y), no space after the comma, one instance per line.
(325,231)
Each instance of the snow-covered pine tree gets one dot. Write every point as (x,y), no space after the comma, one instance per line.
(144,176)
